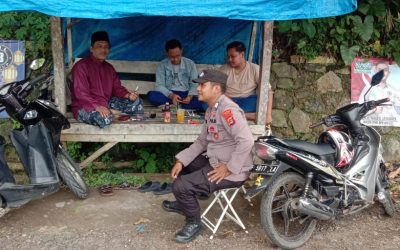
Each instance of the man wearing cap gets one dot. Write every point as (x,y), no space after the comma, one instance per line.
(219,158)
(97,93)
(174,77)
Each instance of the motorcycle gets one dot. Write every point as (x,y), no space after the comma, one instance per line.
(304,182)
(38,145)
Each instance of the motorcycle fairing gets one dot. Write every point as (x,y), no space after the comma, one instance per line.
(363,170)
(35,149)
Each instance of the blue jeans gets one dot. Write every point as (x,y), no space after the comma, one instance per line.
(248,104)
(122,104)
(156,98)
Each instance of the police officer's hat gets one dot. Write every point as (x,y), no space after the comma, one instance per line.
(212,75)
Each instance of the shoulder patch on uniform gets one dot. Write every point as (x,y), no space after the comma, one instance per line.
(228,116)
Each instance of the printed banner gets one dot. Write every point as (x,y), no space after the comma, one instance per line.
(12,63)
(362,71)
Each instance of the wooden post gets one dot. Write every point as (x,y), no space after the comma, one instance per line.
(58,60)
(265,69)
(252,41)
(69,42)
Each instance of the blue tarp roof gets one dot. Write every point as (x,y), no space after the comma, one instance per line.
(204,39)
(232,9)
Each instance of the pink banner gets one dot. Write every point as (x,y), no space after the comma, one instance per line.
(362,71)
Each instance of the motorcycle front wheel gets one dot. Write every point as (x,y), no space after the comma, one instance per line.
(387,203)
(71,174)
(284,226)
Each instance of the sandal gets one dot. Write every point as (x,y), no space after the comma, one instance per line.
(165,188)
(106,190)
(124,186)
(149,186)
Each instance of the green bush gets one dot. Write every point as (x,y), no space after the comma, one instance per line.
(371,31)
(33,27)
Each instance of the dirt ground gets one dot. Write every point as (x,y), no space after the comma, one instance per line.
(133,220)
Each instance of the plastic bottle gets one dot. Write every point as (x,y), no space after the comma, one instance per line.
(167,112)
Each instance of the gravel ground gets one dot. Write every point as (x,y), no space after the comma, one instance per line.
(133,220)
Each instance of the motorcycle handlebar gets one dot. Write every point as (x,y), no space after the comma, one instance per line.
(314,125)
(373,104)
(378,102)
(328,121)
(38,79)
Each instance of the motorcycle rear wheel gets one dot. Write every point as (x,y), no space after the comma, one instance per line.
(71,174)
(277,215)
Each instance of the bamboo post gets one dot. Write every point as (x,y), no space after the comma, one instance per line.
(252,41)
(265,69)
(58,60)
(69,42)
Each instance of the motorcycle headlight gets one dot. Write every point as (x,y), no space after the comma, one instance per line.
(265,151)
(31,114)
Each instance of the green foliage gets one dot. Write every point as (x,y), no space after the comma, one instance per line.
(97,178)
(146,162)
(146,158)
(156,158)
(75,151)
(33,27)
(372,31)
(16,124)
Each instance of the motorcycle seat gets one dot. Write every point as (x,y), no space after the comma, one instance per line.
(320,149)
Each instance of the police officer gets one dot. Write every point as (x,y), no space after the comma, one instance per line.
(219,158)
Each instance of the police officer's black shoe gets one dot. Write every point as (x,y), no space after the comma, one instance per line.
(189,231)
(171,206)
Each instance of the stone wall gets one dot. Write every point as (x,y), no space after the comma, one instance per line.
(306,92)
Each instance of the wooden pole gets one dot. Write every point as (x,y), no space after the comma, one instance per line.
(265,69)
(58,60)
(69,42)
(252,41)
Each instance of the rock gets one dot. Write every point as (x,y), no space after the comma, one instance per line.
(302,94)
(314,105)
(343,71)
(285,83)
(279,119)
(315,68)
(273,80)
(329,82)
(282,100)
(5,127)
(60,204)
(391,148)
(300,81)
(322,60)
(297,59)
(284,70)
(299,120)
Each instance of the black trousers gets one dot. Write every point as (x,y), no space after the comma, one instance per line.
(193,181)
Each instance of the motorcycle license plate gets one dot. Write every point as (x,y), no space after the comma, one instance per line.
(264,169)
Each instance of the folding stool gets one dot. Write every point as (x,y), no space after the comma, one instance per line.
(224,198)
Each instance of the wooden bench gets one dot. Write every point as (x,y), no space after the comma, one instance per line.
(150,130)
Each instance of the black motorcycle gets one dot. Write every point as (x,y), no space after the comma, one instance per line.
(304,182)
(38,145)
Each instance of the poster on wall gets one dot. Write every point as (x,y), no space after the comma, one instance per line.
(362,71)
(12,63)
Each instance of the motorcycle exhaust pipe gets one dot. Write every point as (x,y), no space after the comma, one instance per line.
(314,209)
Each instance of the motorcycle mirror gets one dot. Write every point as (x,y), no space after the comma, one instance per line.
(377,78)
(37,64)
